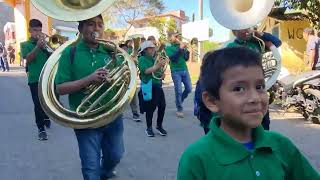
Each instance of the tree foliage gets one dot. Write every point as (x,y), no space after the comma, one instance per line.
(163,25)
(125,11)
(311,7)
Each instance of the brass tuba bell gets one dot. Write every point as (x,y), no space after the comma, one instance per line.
(122,77)
(244,14)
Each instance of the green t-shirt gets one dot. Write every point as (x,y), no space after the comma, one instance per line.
(181,64)
(36,65)
(251,44)
(129,50)
(144,63)
(218,156)
(86,61)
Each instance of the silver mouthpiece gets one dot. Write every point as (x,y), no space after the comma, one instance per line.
(95,35)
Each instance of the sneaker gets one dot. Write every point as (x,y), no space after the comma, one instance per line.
(42,136)
(161,131)
(149,132)
(136,117)
(109,176)
(180,114)
(47,123)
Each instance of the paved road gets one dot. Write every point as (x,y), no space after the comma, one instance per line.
(23,157)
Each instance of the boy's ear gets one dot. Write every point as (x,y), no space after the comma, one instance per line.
(210,102)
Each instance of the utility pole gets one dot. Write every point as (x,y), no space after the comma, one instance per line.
(201,9)
(201,18)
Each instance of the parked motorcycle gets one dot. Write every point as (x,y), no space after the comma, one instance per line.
(301,92)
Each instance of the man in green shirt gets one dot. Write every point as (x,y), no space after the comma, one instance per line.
(237,146)
(75,73)
(134,102)
(36,56)
(178,55)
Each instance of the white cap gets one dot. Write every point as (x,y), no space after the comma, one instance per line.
(146,44)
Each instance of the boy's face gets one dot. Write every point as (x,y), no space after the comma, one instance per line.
(243,34)
(243,99)
(150,51)
(35,32)
(90,26)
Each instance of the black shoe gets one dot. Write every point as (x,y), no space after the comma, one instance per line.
(109,176)
(47,123)
(136,117)
(42,136)
(161,131)
(149,132)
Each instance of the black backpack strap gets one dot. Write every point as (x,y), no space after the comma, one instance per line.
(72,54)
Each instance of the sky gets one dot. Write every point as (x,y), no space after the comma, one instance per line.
(220,33)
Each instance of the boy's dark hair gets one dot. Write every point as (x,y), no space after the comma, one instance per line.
(151,38)
(35,23)
(215,63)
(122,45)
(81,23)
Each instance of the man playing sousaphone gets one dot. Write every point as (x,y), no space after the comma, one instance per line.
(246,38)
(178,55)
(80,66)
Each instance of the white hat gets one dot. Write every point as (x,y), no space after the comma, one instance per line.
(146,44)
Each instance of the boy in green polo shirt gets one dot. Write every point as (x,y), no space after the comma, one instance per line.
(73,76)
(147,67)
(178,55)
(237,147)
(36,56)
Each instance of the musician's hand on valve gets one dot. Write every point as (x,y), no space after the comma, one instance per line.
(183,45)
(41,43)
(268,44)
(98,76)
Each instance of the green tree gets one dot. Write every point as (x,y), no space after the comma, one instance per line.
(163,25)
(124,12)
(310,7)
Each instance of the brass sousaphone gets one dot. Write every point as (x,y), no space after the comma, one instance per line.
(244,14)
(122,77)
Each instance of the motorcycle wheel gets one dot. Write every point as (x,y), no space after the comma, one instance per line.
(316,116)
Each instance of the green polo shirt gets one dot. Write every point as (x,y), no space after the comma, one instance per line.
(181,64)
(86,61)
(218,156)
(36,65)
(144,63)
(251,44)
(130,50)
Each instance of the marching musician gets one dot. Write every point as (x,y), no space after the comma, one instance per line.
(245,38)
(80,66)
(36,56)
(134,102)
(147,67)
(178,55)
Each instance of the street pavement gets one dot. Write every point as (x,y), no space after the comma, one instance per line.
(23,157)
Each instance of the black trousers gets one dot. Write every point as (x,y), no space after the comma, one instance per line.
(158,101)
(38,111)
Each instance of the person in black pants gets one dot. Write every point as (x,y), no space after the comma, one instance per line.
(36,56)
(149,71)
